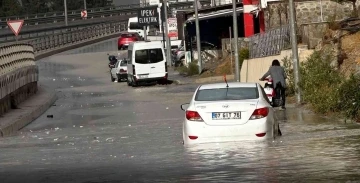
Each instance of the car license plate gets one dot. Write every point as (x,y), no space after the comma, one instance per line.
(143,76)
(226,115)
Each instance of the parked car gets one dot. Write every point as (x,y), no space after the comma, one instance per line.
(119,71)
(178,55)
(127,38)
(229,112)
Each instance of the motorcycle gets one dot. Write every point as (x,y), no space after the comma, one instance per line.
(274,95)
(269,90)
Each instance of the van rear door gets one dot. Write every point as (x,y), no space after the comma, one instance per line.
(157,62)
(150,62)
(142,68)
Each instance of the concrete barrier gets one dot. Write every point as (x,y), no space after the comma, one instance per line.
(253,69)
(18,75)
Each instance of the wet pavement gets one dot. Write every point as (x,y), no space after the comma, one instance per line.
(109,132)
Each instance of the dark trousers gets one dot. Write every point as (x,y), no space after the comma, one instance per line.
(282,95)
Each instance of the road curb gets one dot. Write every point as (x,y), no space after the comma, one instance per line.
(14,126)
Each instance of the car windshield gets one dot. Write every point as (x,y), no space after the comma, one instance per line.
(123,63)
(134,25)
(148,56)
(239,93)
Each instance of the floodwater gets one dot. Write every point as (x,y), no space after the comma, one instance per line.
(109,132)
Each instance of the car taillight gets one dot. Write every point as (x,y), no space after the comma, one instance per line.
(193,116)
(260,113)
(166,67)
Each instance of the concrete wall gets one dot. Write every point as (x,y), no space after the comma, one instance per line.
(277,14)
(18,75)
(253,69)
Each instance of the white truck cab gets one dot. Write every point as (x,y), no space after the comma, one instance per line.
(146,63)
(133,26)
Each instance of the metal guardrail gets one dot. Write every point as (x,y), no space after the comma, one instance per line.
(270,42)
(26,35)
(18,69)
(63,39)
(55,17)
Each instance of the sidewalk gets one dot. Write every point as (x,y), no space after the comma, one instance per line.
(29,110)
(181,80)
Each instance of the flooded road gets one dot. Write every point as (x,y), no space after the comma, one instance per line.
(109,132)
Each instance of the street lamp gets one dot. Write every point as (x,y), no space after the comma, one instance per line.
(295,54)
(198,35)
(65,12)
(236,49)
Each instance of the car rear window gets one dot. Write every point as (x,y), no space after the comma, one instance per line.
(239,93)
(128,35)
(123,63)
(135,25)
(149,56)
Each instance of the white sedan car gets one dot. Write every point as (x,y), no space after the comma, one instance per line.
(229,112)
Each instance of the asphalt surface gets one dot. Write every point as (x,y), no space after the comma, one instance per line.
(108,132)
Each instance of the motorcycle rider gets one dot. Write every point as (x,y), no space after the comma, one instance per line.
(278,75)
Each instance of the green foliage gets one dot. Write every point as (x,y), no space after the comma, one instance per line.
(288,66)
(190,70)
(13,7)
(244,54)
(10,8)
(350,97)
(320,82)
(325,88)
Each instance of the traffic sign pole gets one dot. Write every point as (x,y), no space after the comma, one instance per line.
(85,9)
(145,35)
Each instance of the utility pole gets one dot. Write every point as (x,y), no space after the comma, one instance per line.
(236,49)
(198,35)
(168,44)
(294,47)
(65,12)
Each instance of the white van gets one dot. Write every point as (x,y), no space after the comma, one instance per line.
(146,63)
(133,26)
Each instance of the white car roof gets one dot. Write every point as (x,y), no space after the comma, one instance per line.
(231,85)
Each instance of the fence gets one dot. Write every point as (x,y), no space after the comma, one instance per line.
(18,75)
(269,43)
(72,38)
(102,12)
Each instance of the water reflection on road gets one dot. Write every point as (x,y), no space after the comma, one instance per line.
(109,132)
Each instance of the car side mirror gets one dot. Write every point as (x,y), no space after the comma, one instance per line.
(184,107)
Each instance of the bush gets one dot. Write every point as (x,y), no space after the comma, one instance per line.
(244,54)
(320,82)
(349,98)
(290,85)
(190,70)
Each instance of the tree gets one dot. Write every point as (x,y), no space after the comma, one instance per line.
(36,6)
(10,8)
